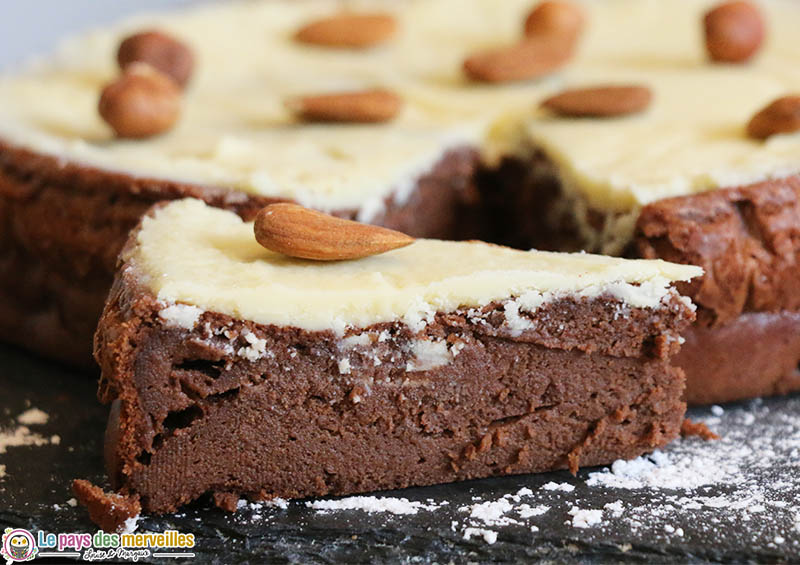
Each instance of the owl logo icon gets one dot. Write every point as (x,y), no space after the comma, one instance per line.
(18,545)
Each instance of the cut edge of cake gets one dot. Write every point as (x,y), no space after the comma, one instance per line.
(207,403)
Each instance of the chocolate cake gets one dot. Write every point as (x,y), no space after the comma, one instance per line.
(453,149)
(236,371)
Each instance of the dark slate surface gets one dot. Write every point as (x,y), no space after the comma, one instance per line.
(34,492)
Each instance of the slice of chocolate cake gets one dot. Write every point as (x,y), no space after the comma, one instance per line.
(626,137)
(236,371)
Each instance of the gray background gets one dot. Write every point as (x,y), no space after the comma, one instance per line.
(29,27)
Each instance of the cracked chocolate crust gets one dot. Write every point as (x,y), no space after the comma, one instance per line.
(192,416)
(746,341)
(62,225)
(747,239)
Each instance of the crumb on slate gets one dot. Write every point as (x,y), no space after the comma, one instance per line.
(112,512)
(699,429)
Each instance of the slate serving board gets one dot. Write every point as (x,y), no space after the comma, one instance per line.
(34,492)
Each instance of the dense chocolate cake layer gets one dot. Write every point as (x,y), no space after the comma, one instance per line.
(62,226)
(192,415)
(757,354)
(549,181)
(747,239)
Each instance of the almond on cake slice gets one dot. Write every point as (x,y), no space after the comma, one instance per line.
(161,51)
(143,102)
(555,17)
(528,59)
(365,106)
(780,116)
(301,232)
(349,30)
(734,31)
(600,101)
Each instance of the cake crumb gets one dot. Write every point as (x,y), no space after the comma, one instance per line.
(112,512)
(699,429)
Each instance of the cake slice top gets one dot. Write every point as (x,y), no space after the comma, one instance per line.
(236,132)
(208,260)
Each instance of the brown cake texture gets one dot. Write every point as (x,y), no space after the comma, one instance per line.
(63,221)
(747,239)
(62,227)
(109,510)
(190,417)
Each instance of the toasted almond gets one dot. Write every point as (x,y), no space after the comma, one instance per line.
(734,31)
(555,17)
(349,30)
(307,234)
(141,103)
(600,101)
(160,51)
(367,106)
(528,59)
(781,116)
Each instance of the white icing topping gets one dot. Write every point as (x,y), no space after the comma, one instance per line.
(190,253)
(180,315)
(428,354)
(256,348)
(236,131)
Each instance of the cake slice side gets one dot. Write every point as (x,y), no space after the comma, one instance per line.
(206,402)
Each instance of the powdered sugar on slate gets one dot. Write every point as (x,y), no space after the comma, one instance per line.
(372,504)
(585,518)
(743,488)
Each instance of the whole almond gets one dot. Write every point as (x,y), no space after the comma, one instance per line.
(307,234)
(161,52)
(528,59)
(599,101)
(142,102)
(555,17)
(734,31)
(349,30)
(367,106)
(781,116)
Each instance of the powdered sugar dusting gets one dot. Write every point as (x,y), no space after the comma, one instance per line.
(741,491)
(583,518)
(371,504)
(489,536)
(33,416)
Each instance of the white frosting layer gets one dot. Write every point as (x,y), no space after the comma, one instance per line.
(692,138)
(208,258)
(236,132)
